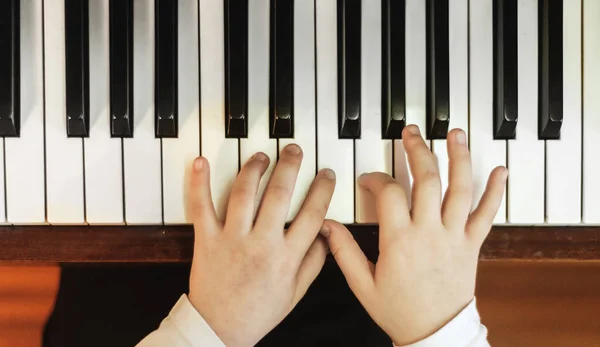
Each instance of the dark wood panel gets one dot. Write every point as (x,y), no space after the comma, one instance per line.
(540,304)
(522,303)
(167,244)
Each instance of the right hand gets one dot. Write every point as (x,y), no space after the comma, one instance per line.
(425,273)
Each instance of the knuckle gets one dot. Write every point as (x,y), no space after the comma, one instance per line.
(317,211)
(460,192)
(243,193)
(279,191)
(429,178)
(391,191)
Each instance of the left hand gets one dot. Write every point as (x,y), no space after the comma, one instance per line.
(248,274)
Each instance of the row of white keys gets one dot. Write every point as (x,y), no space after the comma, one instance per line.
(258,93)
(372,153)
(25,190)
(222,153)
(526,183)
(591,112)
(486,153)
(563,157)
(102,154)
(178,153)
(332,152)
(304,101)
(459,84)
(142,153)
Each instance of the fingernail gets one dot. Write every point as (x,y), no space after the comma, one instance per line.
(413,130)
(325,231)
(504,175)
(461,138)
(198,164)
(259,156)
(293,149)
(328,173)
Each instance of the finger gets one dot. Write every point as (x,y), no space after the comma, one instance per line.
(355,266)
(459,196)
(391,200)
(426,193)
(480,222)
(243,194)
(274,209)
(307,223)
(200,200)
(310,267)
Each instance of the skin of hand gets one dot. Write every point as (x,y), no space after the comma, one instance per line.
(248,271)
(426,269)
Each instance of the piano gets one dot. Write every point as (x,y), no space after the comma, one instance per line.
(105,103)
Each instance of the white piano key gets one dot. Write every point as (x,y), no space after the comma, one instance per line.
(64,156)
(591,112)
(415,64)
(416,92)
(304,100)
(486,153)
(332,152)
(25,190)
(222,153)
(372,153)
(258,92)
(563,157)
(103,162)
(179,153)
(458,10)
(142,153)
(526,153)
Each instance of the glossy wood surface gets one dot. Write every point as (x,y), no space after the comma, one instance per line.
(540,304)
(27,296)
(167,244)
(522,303)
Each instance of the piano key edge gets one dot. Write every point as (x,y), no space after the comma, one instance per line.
(174,244)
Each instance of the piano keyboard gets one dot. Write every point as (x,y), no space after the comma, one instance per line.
(105,103)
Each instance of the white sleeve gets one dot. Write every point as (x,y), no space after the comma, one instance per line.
(465,330)
(183,327)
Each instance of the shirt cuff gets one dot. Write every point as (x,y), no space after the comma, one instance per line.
(184,326)
(465,330)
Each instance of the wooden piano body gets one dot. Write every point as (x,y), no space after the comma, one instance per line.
(99,286)
(62,285)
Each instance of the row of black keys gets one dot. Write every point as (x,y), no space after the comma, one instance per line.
(282,67)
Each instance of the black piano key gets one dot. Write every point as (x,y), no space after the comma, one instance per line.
(281,91)
(349,70)
(165,111)
(393,63)
(505,69)
(438,73)
(236,68)
(77,68)
(121,68)
(550,55)
(10,89)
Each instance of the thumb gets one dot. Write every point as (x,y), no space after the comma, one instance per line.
(310,267)
(355,266)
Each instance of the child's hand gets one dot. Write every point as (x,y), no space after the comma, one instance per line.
(247,274)
(425,273)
